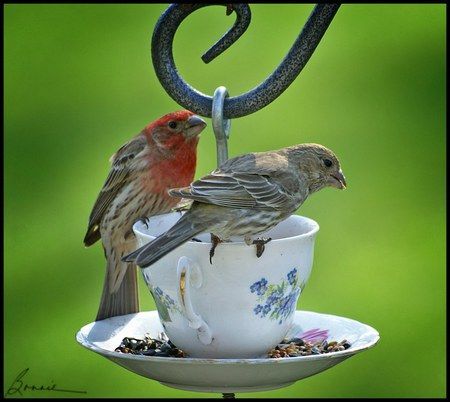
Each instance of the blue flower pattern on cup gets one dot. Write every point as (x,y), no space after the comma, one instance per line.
(258,309)
(278,300)
(165,299)
(165,304)
(259,287)
(292,276)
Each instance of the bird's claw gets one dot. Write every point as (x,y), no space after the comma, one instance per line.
(145,221)
(261,245)
(214,241)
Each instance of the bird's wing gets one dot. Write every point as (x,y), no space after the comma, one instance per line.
(236,190)
(121,161)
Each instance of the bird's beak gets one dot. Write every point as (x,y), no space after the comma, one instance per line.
(194,126)
(337,180)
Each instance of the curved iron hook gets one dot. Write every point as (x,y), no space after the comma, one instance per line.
(258,97)
(243,17)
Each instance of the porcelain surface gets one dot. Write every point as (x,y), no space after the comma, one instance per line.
(238,306)
(226,375)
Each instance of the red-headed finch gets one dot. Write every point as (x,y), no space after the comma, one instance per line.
(246,196)
(161,157)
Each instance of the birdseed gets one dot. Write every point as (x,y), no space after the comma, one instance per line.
(149,347)
(296,347)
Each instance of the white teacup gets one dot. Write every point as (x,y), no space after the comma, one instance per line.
(240,306)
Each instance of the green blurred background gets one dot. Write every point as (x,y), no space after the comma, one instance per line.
(79,83)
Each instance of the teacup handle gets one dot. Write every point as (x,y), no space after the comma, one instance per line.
(190,275)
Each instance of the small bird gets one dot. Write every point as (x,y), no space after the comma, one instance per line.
(161,157)
(247,195)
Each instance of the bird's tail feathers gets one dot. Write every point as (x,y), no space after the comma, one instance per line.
(123,301)
(178,234)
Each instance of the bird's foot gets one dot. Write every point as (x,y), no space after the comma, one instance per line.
(261,245)
(145,221)
(214,241)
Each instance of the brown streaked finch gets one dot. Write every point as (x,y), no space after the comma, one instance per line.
(247,195)
(161,157)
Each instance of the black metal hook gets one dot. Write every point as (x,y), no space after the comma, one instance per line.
(253,100)
(243,17)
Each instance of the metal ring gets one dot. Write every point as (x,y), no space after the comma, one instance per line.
(221,126)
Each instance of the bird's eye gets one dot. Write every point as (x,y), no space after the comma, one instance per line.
(327,162)
(172,124)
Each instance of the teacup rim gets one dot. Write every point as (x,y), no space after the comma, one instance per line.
(310,233)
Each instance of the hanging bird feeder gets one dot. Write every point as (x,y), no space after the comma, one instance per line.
(227,313)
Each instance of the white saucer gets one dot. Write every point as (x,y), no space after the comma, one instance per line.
(224,375)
